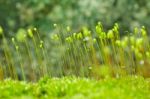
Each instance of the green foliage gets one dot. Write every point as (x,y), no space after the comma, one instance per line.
(75,13)
(132,87)
(1,30)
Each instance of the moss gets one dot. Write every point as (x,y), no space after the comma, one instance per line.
(131,87)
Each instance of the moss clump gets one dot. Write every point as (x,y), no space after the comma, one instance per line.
(131,87)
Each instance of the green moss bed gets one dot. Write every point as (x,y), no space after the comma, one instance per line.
(131,87)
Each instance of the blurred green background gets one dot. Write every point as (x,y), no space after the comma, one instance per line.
(15,14)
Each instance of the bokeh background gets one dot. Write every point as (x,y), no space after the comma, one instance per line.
(16,14)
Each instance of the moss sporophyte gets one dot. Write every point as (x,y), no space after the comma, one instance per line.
(86,53)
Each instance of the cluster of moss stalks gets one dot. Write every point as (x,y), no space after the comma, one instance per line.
(97,53)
